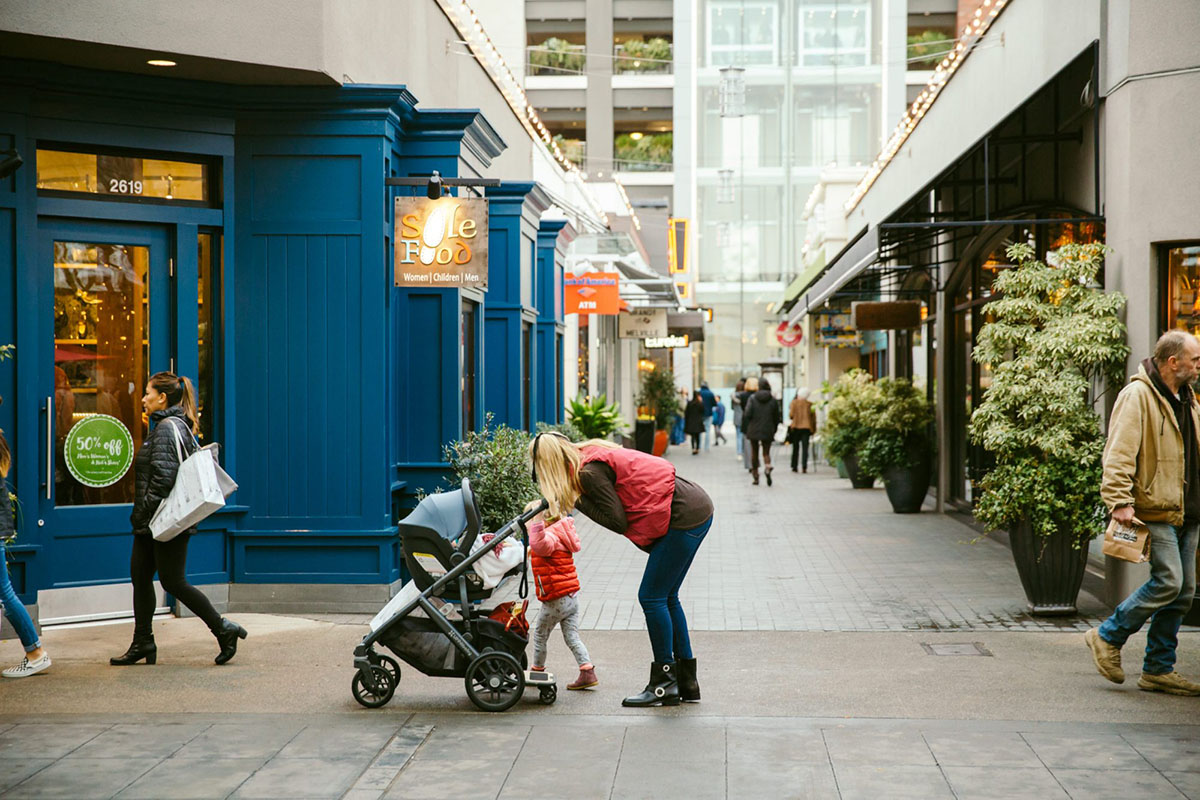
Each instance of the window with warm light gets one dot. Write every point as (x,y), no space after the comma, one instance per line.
(123,176)
(1182,267)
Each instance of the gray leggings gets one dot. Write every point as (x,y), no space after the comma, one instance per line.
(564,612)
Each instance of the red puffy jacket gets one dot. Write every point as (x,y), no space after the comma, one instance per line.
(551,556)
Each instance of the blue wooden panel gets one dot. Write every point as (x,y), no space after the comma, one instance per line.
(315,560)
(423,415)
(306,187)
(502,365)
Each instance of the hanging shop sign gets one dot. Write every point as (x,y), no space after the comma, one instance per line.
(642,323)
(592,293)
(98,450)
(789,335)
(441,242)
(667,342)
(677,238)
(833,329)
(896,315)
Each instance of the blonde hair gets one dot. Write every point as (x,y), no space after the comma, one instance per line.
(752,384)
(5,459)
(556,466)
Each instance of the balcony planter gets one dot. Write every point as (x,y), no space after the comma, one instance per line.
(1050,567)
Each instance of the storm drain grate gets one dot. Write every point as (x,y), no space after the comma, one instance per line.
(950,649)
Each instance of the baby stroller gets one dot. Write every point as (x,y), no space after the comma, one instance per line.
(435,624)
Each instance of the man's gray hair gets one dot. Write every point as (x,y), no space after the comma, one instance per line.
(1171,343)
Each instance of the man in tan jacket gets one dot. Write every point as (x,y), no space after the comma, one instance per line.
(1152,472)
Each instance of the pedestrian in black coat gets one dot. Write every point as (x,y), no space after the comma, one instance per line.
(171,403)
(694,420)
(761,419)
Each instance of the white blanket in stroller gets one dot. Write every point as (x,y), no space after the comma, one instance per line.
(503,557)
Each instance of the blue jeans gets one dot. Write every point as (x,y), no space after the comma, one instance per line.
(1164,599)
(707,428)
(670,558)
(741,437)
(14,609)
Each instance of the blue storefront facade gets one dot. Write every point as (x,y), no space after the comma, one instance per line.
(242,236)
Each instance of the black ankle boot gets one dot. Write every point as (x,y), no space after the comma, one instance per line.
(662,689)
(689,687)
(227,636)
(142,647)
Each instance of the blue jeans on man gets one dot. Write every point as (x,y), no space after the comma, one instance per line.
(1163,600)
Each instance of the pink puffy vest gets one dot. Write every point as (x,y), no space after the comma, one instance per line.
(645,487)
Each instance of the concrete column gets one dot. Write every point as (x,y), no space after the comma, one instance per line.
(599,112)
(893,52)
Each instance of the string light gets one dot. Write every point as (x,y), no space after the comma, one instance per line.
(971,34)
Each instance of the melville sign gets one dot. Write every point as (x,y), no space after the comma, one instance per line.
(441,242)
(642,323)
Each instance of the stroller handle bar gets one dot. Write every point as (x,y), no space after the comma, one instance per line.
(507,530)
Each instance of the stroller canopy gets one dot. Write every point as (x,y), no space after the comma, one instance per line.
(448,514)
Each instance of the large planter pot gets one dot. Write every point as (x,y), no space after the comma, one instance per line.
(661,438)
(857,480)
(841,468)
(907,486)
(1051,570)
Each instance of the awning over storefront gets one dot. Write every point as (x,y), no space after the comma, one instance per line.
(861,252)
(686,323)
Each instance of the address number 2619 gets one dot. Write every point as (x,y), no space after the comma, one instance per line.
(122,186)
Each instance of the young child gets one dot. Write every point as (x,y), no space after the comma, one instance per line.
(552,548)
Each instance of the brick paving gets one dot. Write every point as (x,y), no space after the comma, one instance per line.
(812,554)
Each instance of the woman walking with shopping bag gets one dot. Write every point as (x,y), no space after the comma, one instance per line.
(171,403)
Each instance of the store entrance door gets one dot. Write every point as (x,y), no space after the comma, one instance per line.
(105,327)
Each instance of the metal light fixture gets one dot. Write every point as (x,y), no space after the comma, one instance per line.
(725,188)
(434,188)
(723,237)
(732,92)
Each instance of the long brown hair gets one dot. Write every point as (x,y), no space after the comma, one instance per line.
(5,460)
(179,391)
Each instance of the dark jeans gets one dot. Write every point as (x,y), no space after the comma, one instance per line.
(695,441)
(670,558)
(765,444)
(170,560)
(1164,599)
(800,437)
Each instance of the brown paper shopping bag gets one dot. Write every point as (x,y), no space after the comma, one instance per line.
(1127,542)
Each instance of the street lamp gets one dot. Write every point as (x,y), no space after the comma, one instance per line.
(732,92)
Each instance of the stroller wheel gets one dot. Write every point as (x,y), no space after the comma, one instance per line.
(377,696)
(495,681)
(548,695)
(391,665)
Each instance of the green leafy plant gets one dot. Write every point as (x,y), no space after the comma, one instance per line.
(660,398)
(854,402)
(648,152)
(595,418)
(567,429)
(557,57)
(927,49)
(637,55)
(1055,336)
(898,433)
(496,460)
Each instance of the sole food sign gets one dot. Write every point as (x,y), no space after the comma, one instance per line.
(98,450)
(441,242)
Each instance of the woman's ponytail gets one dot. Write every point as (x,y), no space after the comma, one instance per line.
(189,404)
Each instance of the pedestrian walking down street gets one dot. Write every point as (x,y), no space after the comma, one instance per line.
(694,421)
(171,403)
(718,420)
(761,420)
(1152,473)
(736,405)
(710,402)
(553,543)
(36,659)
(640,497)
(802,424)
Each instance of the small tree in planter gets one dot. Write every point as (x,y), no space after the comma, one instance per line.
(659,396)
(1054,338)
(898,445)
(852,407)
(595,418)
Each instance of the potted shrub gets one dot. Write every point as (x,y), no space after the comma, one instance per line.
(496,459)
(854,403)
(898,445)
(1054,337)
(659,396)
(595,418)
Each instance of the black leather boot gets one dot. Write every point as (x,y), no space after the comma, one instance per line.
(227,636)
(689,687)
(142,647)
(662,690)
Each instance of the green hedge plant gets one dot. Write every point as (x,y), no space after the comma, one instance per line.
(854,402)
(899,430)
(595,418)
(660,397)
(496,460)
(1054,341)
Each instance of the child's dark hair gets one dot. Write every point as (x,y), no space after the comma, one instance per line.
(179,391)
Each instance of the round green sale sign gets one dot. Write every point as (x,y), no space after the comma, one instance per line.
(98,450)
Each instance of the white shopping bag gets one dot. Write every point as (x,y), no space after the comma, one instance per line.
(200,489)
(492,567)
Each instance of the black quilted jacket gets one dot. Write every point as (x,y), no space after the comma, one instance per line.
(157,463)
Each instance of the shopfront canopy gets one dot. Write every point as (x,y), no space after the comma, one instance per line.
(860,253)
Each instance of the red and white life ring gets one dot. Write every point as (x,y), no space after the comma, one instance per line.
(789,335)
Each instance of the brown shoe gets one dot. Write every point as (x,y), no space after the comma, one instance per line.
(586,679)
(1106,656)
(1168,683)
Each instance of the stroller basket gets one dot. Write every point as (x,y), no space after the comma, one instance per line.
(419,642)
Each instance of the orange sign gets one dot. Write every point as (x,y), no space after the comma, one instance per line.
(592,293)
(677,237)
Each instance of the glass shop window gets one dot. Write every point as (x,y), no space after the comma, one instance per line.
(126,177)
(1182,279)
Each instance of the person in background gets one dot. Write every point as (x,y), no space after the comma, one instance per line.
(735,403)
(718,419)
(762,419)
(801,426)
(748,390)
(36,659)
(695,423)
(710,402)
